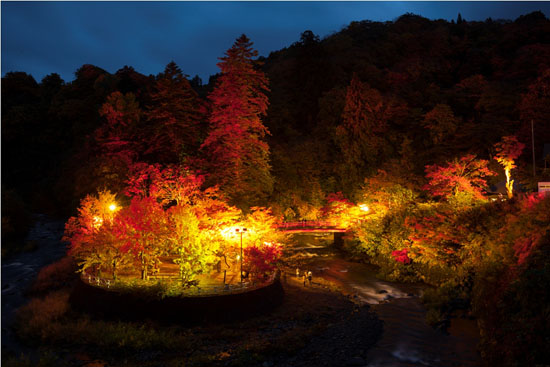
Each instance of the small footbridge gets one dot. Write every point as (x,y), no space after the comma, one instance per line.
(305,226)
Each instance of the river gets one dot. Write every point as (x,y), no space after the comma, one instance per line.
(407,339)
(20,270)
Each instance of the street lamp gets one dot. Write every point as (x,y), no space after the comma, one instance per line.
(241,231)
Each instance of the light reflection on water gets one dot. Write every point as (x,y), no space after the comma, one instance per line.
(407,339)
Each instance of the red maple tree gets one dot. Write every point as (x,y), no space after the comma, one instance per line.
(143,227)
(464,175)
(401,256)
(261,260)
(171,184)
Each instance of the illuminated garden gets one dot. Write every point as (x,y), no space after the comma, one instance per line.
(389,180)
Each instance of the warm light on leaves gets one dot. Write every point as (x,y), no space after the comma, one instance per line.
(401,256)
(169,215)
(507,151)
(364,207)
(465,175)
(260,261)
(97,221)
(233,233)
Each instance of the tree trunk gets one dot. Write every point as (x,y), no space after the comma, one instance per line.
(114,270)
(143,267)
(509,184)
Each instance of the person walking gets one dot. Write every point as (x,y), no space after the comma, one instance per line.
(305,278)
(309,277)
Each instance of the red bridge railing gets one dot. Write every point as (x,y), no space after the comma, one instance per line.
(307,224)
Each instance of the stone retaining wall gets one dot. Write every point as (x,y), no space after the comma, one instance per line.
(106,303)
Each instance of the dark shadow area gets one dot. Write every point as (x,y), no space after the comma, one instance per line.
(189,311)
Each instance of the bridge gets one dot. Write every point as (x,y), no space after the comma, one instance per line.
(305,226)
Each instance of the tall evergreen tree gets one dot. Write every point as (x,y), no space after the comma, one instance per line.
(534,111)
(235,146)
(359,136)
(174,118)
(117,143)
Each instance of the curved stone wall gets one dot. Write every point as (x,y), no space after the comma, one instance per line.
(105,303)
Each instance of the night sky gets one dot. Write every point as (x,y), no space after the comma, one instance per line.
(58,37)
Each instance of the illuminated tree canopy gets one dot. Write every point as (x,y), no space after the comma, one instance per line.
(169,215)
(235,145)
(507,151)
(465,175)
(385,130)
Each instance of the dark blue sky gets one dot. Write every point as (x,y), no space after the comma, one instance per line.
(58,37)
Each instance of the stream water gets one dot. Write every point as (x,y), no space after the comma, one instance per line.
(407,339)
(19,271)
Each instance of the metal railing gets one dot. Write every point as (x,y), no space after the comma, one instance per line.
(194,291)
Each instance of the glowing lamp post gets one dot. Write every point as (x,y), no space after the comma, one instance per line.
(112,208)
(364,207)
(241,231)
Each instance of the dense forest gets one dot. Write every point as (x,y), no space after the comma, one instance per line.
(423,120)
(434,90)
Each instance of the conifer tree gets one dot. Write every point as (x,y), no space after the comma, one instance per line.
(360,135)
(174,118)
(116,143)
(235,147)
(441,122)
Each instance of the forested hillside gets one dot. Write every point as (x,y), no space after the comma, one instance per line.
(395,131)
(414,91)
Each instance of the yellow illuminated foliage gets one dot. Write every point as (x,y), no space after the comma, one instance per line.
(91,237)
(262,227)
(344,214)
(196,252)
(196,233)
(508,150)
